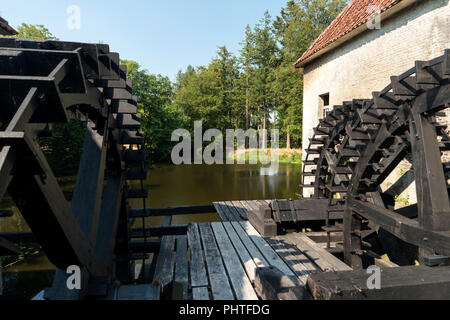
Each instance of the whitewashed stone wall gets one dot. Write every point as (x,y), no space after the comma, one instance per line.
(365,64)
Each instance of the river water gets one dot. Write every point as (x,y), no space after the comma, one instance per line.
(169,185)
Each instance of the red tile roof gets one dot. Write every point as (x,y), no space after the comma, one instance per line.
(5,28)
(354,14)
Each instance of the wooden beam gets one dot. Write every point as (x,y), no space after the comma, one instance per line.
(7,248)
(165,263)
(197,264)
(406,229)
(238,277)
(109,217)
(157,231)
(325,260)
(220,286)
(19,237)
(87,196)
(66,244)
(402,283)
(181,265)
(172,211)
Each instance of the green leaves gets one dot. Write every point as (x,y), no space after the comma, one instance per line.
(34,31)
(211,94)
(155,103)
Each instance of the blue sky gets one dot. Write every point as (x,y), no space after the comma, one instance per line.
(164,36)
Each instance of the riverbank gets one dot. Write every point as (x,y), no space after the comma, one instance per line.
(292,156)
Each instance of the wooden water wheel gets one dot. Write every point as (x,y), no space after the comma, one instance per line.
(45,82)
(400,121)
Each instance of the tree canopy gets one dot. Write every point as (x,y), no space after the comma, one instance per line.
(37,31)
(257,87)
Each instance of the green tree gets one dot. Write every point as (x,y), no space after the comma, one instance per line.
(297,26)
(246,60)
(210,94)
(266,58)
(34,31)
(159,116)
(227,68)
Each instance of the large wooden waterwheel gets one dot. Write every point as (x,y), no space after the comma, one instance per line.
(406,120)
(45,82)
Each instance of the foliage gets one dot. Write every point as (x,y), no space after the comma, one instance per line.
(36,31)
(64,148)
(257,89)
(159,116)
(260,88)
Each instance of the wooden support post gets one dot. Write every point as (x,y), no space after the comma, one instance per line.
(109,215)
(431,186)
(272,284)
(87,196)
(1,276)
(261,219)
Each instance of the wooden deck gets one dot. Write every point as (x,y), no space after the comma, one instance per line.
(218,260)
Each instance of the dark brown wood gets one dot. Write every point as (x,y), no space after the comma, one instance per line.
(266,227)
(403,283)
(271,283)
(165,264)
(172,211)
(406,229)
(155,231)
(7,248)
(197,264)
(181,264)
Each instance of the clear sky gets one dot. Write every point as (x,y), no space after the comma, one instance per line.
(164,36)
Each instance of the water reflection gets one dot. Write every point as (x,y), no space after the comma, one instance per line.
(169,186)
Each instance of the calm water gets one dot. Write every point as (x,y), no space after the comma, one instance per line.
(169,186)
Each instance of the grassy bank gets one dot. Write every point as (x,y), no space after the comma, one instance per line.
(293,156)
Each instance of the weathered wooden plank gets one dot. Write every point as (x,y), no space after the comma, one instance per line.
(87,196)
(402,283)
(270,255)
(167,221)
(197,265)
(244,255)
(220,286)
(242,210)
(245,205)
(263,203)
(298,262)
(223,216)
(165,262)
(200,293)
(325,260)
(137,292)
(272,284)
(181,265)
(1,277)
(239,280)
(229,210)
(155,231)
(172,211)
(256,255)
(109,216)
(252,204)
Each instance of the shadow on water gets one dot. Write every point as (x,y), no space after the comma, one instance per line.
(169,185)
